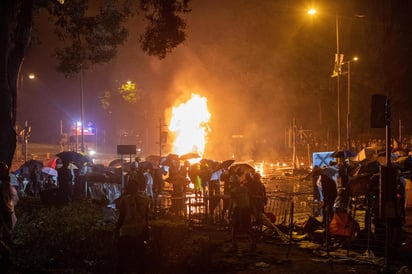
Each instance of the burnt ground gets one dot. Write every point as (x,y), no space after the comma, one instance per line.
(304,255)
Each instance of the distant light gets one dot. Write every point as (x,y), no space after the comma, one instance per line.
(92,153)
(355,58)
(31,76)
(312,11)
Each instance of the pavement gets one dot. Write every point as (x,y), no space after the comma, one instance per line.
(276,254)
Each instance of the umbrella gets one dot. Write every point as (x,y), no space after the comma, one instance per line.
(49,171)
(212,164)
(31,164)
(226,164)
(147,165)
(155,159)
(343,154)
(171,160)
(74,157)
(116,163)
(190,155)
(97,177)
(242,167)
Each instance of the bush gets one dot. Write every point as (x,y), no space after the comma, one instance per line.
(77,238)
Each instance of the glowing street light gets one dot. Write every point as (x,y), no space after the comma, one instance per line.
(348,119)
(336,72)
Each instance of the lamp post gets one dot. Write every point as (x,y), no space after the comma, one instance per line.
(348,118)
(82,109)
(336,73)
(338,60)
(27,129)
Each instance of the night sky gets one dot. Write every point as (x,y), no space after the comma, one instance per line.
(261,64)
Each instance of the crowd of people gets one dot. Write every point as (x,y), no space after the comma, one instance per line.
(241,192)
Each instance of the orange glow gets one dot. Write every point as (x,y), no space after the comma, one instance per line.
(190,126)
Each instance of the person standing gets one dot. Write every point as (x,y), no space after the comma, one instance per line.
(132,226)
(65,178)
(241,209)
(8,200)
(257,195)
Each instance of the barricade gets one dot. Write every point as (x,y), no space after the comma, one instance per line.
(279,204)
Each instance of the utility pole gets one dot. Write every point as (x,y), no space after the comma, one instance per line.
(162,136)
(26,136)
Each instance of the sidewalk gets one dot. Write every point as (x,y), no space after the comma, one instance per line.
(302,256)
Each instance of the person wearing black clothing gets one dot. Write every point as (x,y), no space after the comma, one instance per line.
(132,228)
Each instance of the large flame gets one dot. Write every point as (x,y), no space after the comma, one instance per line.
(190,125)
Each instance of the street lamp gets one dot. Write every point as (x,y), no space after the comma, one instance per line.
(348,119)
(336,72)
(27,129)
(82,109)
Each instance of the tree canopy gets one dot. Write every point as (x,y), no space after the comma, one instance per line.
(89,32)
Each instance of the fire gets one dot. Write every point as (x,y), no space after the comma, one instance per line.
(190,125)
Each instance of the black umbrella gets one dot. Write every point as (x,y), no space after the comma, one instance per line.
(171,160)
(116,163)
(343,154)
(242,167)
(32,164)
(147,165)
(155,159)
(73,157)
(225,164)
(212,164)
(190,155)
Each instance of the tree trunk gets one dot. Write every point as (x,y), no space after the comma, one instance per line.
(15,29)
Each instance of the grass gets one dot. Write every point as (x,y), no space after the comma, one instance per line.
(78,238)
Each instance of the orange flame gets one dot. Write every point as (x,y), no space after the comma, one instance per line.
(190,125)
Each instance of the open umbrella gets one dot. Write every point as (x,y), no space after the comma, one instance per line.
(155,159)
(147,165)
(117,163)
(171,160)
(188,156)
(226,164)
(31,164)
(242,167)
(49,171)
(73,157)
(343,154)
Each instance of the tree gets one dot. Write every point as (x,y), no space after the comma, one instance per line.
(90,33)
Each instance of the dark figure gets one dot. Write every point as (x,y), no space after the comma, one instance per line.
(316,194)
(65,179)
(80,178)
(329,193)
(205,174)
(178,178)
(132,229)
(214,191)
(241,212)
(158,185)
(344,194)
(35,179)
(136,175)
(257,194)
(225,178)
(8,200)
